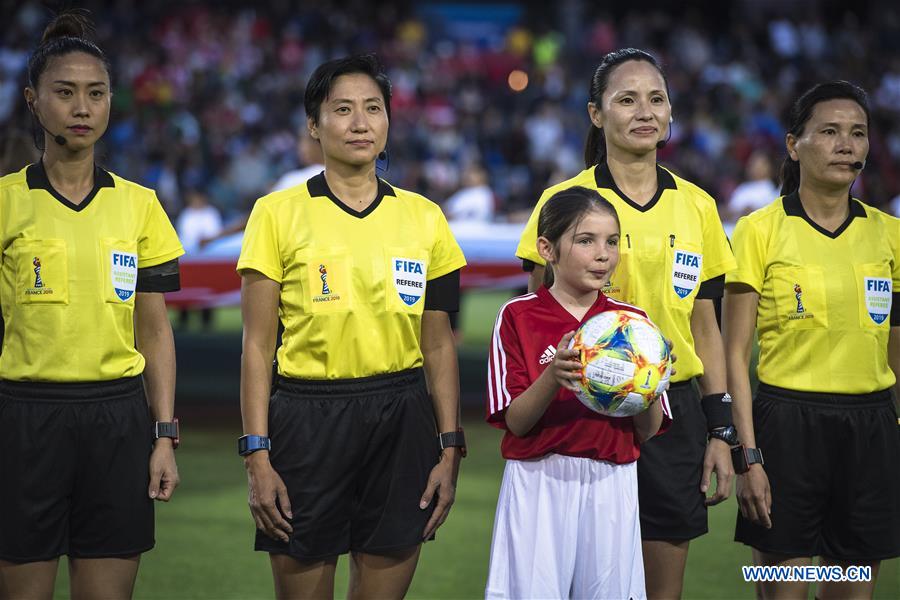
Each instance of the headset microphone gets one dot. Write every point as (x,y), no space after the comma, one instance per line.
(57,137)
(662,143)
(858,165)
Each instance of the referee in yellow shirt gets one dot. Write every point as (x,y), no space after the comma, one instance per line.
(817,276)
(347,452)
(673,258)
(86,256)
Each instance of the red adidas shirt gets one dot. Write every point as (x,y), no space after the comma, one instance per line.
(526,333)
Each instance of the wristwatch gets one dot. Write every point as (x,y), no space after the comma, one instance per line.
(742,457)
(167,429)
(727,434)
(248,444)
(453,439)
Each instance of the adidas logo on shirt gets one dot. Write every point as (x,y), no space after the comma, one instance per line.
(548,355)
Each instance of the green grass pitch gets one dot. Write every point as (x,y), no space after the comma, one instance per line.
(205,535)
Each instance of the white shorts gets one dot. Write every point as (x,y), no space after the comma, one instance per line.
(567,527)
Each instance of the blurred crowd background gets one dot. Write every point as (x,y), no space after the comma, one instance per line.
(489,98)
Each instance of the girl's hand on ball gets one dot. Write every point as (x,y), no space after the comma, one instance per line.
(566,365)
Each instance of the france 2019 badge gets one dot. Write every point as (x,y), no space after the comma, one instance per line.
(878,298)
(686,272)
(409,279)
(124,274)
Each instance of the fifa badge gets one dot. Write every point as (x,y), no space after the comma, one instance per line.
(879,294)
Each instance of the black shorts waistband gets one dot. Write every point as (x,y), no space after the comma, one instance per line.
(681,385)
(71,391)
(850,401)
(374,384)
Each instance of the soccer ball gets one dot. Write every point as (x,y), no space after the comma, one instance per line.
(626,363)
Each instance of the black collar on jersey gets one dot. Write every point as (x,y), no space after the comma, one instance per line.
(317,186)
(36,178)
(794,208)
(664,179)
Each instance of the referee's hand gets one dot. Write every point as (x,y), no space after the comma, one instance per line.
(268,497)
(442,483)
(717,459)
(163,471)
(754,496)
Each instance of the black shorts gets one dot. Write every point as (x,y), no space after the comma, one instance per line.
(833,462)
(355,455)
(670,469)
(74,459)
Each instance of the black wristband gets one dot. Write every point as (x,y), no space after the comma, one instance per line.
(717,408)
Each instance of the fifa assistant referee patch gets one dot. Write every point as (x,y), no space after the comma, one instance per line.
(123,273)
(878,298)
(409,279)
(686,267)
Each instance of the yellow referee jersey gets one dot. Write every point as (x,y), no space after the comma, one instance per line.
(69,274)
(667,250)
(352,283)
(824,298)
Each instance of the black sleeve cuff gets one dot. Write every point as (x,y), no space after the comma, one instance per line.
(442,293)
(895,309)
(528,265)
(712,288)
(164,277)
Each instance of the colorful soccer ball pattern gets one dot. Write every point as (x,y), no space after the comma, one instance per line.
(626,363)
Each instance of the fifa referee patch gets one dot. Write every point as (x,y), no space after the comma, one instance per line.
(123,272)
(686,267)
(878,298)
(409,279)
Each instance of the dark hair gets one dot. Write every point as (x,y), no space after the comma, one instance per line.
(564,209)
(802,110)
(322,80)
(595,145)
(66,33)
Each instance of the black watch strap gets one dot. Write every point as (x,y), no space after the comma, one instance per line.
(742,457)
(726,434)
(453,439)
(167,429)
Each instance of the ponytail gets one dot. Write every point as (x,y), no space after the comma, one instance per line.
(594,147)
(790,176)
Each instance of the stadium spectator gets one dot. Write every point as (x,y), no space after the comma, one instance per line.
(209,82)
(474,202)
(198,224)
(758,191)
(309,155)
